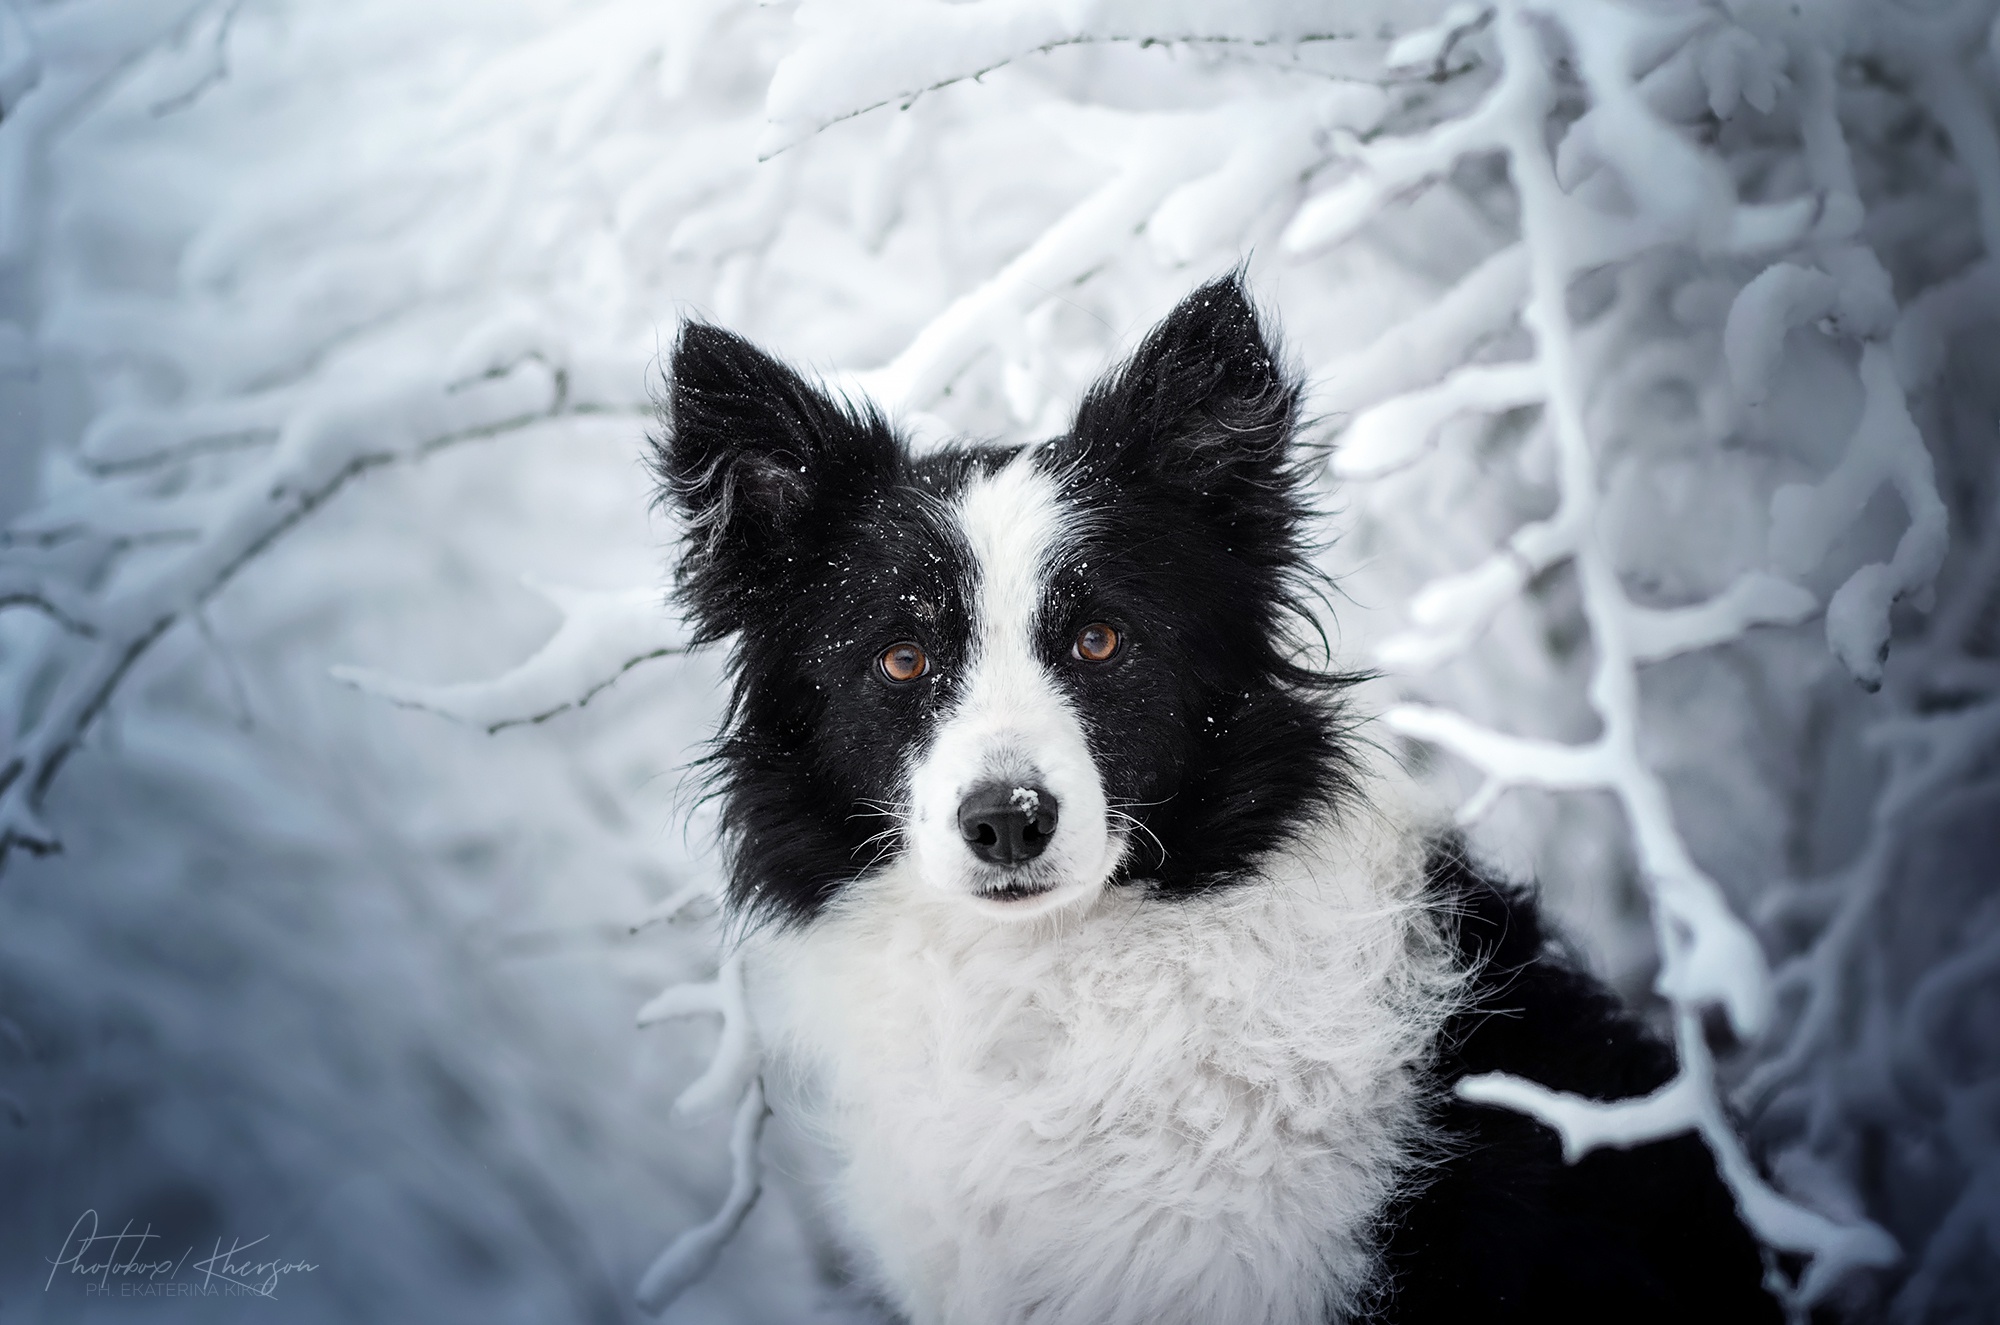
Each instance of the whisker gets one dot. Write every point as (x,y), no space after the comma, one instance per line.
(883,836)
(1122,803)
(1158,846)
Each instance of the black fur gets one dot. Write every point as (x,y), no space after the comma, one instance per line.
(1220,733)
(1504,1230)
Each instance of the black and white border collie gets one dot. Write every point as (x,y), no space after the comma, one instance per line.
(1119,986)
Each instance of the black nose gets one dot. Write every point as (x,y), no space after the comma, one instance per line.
(1007,823)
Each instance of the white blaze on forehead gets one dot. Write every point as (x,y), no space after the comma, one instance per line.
(1012,521)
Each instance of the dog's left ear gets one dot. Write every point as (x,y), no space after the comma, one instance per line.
(1202,406)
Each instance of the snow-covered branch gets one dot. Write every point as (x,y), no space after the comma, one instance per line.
(1191,179)
(733,1073)
(693,1253)
(1666,192)
(1585,1124)
(735,1061)
(603,635)
(370,417)
(841,67)
(1805,521)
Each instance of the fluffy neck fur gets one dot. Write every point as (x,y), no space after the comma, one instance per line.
(1133,1111)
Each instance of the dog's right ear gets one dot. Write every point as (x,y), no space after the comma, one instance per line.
(755,458)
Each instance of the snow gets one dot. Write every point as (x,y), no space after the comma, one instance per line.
(1650,344)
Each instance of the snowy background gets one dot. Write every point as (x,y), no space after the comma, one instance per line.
(1655,344)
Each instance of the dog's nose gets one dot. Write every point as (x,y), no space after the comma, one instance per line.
(1007,823)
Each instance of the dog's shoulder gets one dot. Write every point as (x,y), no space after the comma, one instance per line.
(1498,1227)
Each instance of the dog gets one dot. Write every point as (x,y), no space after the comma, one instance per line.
(1119,983)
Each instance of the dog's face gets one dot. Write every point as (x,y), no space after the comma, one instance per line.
(1029,673)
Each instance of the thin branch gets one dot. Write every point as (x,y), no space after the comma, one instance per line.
(691,1255)
(603,635)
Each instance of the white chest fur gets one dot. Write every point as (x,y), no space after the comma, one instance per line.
(1133,1111)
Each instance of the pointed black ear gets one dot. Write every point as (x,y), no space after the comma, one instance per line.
(754,457)
(1202,405)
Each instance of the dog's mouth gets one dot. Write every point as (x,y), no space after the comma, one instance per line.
(1014,892)
(1020,893)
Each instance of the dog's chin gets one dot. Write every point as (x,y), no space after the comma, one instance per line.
(1007,897)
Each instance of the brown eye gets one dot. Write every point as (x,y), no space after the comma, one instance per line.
(904,662)
(1095,643)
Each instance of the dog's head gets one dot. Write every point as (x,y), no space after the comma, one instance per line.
(1029,673)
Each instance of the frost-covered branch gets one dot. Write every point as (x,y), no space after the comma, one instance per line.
(842,67)
(341,368)
(1805,520)
(1189,178)
(359,424)
(693,1253)
(1398,430)
(1756,598)
(733,1073)
(735,1062)
(1675,195)
(603,635)
(1585,1124)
